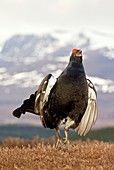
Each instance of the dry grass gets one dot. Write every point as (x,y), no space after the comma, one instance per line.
(37,154)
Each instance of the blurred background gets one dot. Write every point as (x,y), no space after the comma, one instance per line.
(36,38)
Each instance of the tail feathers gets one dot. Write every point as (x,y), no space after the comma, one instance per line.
(17,113)
(27,106)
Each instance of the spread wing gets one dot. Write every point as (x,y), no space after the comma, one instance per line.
(90,115)
(42,95)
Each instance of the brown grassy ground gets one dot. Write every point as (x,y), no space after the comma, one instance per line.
(36,154)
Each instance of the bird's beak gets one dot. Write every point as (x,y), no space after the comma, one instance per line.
(79,53)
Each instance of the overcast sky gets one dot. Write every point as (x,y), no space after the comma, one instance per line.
(33,16)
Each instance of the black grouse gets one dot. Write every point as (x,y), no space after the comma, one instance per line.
(70,99)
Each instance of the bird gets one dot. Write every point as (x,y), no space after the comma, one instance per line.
(69,99)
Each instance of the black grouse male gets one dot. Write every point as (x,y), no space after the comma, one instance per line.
(70,99)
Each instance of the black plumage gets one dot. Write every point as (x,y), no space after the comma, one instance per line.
(69,96)
(64,100)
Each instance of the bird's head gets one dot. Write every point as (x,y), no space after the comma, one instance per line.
(76,55)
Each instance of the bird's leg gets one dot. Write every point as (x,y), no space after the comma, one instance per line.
(66,139)
(59,140)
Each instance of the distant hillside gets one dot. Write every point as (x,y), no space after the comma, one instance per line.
(28,132)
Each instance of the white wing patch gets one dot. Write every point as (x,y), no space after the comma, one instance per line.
(90,115)
(50,85)
(43,92)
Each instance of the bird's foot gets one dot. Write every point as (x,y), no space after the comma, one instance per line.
(59,143)
(66,141)
(67,144)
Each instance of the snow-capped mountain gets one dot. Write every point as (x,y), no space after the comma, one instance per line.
(26,59)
